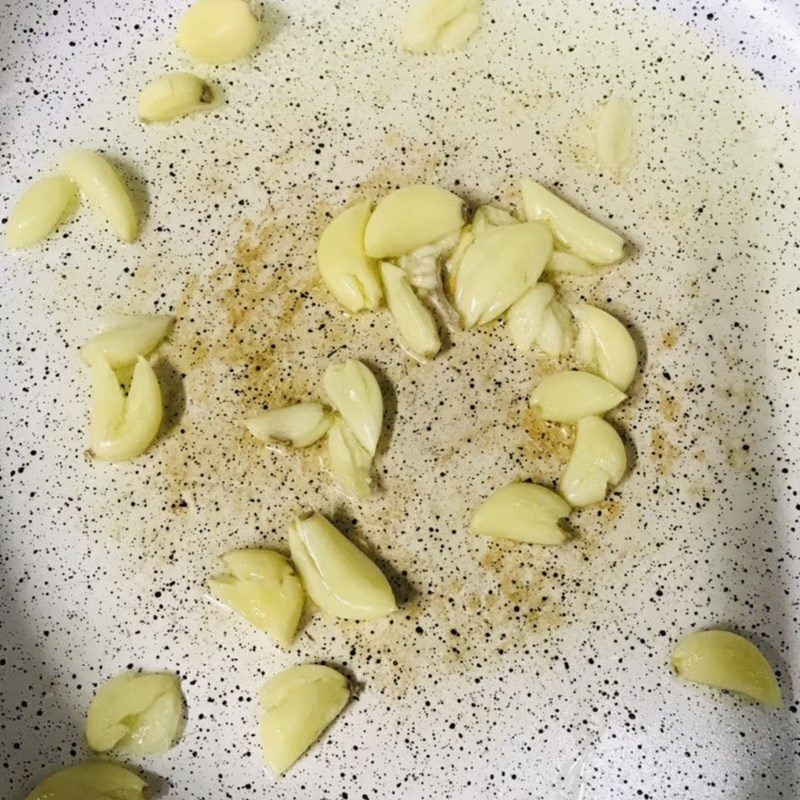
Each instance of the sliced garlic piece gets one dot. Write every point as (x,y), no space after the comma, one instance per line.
(578,233)
(263,587)
(104,190)
(604,346)
(43,206)
(299,425)
(523,512)
(218,31)
(440,26)
(727,661)
(598,461)
(498,268)
(488,217)
(569,264)
(338,577)
(569,396)
(614,135)
(172,96)
(350,463)
(298,705)
(123,427)
(136,714)
(92,780)
(353,391)
(415,322)
(350,275)
(132,336)
(538,318)
(410,218)
(422,266)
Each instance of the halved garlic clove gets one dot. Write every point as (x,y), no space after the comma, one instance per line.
(298,705)
(263,587)
(727,661)
(410,218)
(538,318)
(569,264)
(598,461)
(123,427)
(578,233)
(218,31)
(604,346)
(350,275)
(137,714)
(92,780)
(173,96)
(488,217)
(43,206)
(523,512)
(422,266)
(298,425)
(614,135)
(440,26)
(122,343)
(415,322)
(350,463)
(569,396)
(353,391)
(104,190)
(338,577)
(498,268)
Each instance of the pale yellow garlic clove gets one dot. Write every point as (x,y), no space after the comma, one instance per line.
(598,461)
(539,319)
(410,218)
(173,96)
(488,217)
(263,587)
(422,266)
(298,425)
(338,577)
(92,780)
(130,337)
(440,26)
(523,512)
(727,661)
(298,705)
(569,396)
(498,268)
(415,322)
(604,346)
(218,31)
(136,714)
(349,462)
(350,275)
(104,190)
(123,427)
(43,206)
(569,264)
(614,135)
(353,391)
(578,233)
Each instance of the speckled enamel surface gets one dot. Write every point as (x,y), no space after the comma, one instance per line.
(510,671)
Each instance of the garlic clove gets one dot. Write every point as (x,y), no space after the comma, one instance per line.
(538,318)
(614,135)
(122,343)
(43,206)
(569,396)
(298,425)
(604,346)
(488,217)
(173,96)
(218,31)
(349,462)
(92,780)
(440,26)
(569,264)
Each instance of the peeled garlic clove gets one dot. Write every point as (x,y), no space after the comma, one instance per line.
(298,704)
(488,217)
(350,463)
(598,461)
(537,318)
(137,714)
(338,577)
(104,190)
(614,135)
(262,586)
(218,31)
(569,264)
(93,780)
(121,344)
(353,391)
(604,346)
(569,396)
(123,427)
(415,322)
(422,266)
(43,206)
(575,231)
(523,512)
(727,661)
(439,26)
(172,96)
(299,425)
(410,218)
(498,268)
